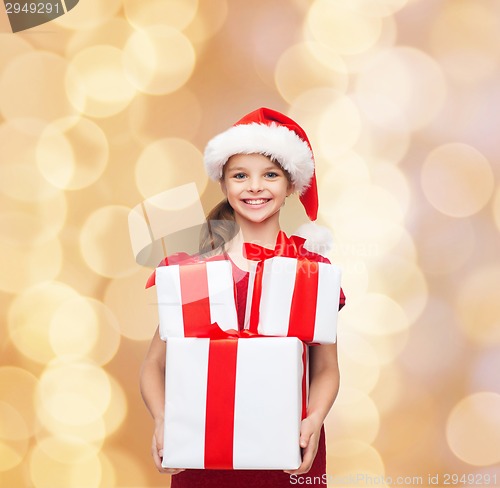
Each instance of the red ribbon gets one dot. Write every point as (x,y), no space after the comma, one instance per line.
(221,391)
(195,301)
(305,293)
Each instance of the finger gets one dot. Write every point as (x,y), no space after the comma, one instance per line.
(172,471)
(308,455)
(157,460)
(305,437)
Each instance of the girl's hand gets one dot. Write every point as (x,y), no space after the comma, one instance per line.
(157,450)
(310,430)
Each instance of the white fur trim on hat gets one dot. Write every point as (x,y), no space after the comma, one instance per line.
(319,239)
(290,151)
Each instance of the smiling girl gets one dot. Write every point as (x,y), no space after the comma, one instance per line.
(259,162)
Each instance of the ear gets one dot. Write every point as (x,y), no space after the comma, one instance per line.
(290,189)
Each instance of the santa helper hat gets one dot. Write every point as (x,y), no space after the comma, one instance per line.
(268,132)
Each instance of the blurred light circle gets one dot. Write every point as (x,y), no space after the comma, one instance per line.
(401,88)
(339,127)
(25,265)
(93,432)
(496,208)
(376,8)
(389,389)
(46,219)
(32,85)
(477,305)
(108,471)
(74,392)
(383,144)
(137,318)
(405,247)
(13,426)
(89,15)
(47,472)
(67,449)
(115,414)
(367,214)
(354,416)
(466,58)
(102,241)
(457,179)
(176,115)
(426,336)
(208,21)
(13,437)
(11,454)
(388,38)
(96,83)
(168,163)
(79,339)
(158,59)
(17,391)
(473,429)
(12,47)
(377,314)
(146,13)
(353,458)
(348,169)
(19,176)
(445,243)
(36,224)
(336,26)
(30,315)
(95,333)
(309,106)
(308,65)
(391,178)
(113,32)
(484,374)
(130,472)
(405,283)
(360,366)
(72,153)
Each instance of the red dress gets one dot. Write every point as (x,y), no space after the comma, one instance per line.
(214,478)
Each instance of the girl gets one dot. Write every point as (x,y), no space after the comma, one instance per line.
(259,162)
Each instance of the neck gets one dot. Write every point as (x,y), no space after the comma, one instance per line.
(261,233)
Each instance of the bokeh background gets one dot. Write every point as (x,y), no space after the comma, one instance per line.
(114,102)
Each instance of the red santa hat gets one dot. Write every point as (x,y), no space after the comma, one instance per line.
(268,132)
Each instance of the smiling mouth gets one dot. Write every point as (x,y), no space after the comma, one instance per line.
(257,201)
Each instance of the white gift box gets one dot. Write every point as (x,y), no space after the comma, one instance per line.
(294,297)
(192,295)
(262,423)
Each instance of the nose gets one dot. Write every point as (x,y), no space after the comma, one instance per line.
(255,184)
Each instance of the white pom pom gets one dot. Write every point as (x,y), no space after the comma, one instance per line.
(319,239)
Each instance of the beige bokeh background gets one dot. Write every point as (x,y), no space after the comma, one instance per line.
(113,103)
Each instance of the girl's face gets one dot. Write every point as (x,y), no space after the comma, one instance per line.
(255,187)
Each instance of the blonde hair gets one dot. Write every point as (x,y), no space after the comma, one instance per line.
(220,227)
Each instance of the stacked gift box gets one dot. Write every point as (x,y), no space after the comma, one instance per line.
(226,390)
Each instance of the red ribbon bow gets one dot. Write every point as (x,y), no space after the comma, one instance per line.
(289,247)
(303,308)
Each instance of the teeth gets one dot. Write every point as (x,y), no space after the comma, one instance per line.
(256,202)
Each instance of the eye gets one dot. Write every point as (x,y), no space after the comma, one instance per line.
(271,174)
(239,176)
